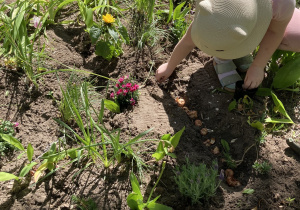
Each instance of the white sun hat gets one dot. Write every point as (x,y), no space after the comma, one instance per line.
(230,29)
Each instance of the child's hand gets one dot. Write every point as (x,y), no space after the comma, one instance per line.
(162,73)
(254,77)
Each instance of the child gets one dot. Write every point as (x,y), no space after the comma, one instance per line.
(232,29)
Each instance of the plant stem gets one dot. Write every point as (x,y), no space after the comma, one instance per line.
(162,171)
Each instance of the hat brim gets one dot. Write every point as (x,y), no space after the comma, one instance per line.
(264,16)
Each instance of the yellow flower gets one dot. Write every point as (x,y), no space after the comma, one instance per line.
(108,18)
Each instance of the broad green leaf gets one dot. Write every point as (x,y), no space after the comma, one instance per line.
(157,206)
(124,34)
(166,137)
(232,105)
(95,33)
(105,49)
(39,171)
(13,141)
(159,153)
(248,191)
(29,152)
(134,201)
(177,11)
(175,139)
(112,106)
(258,125)
(89,18)
(263,92)
(225,145)
(135,185)
(280,107)
(288,74)
(26,169)
(7,176)
(113,34)
(73,154)
(172,155)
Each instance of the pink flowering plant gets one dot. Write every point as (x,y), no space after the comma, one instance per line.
(125,92)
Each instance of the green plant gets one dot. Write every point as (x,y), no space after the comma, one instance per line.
(226,152)
(290,200)
(7,128)
(167,145)
(248,191)
(125,93)
(108,36)
(197,182)
(179,23)
(262,168)
(84,204)
(97,140)
(135,199)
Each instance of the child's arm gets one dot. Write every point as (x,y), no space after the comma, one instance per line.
(181,50)
(270,42)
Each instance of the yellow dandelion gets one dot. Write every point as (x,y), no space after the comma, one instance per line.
(108,18)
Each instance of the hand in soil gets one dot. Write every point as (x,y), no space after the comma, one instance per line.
(163,72)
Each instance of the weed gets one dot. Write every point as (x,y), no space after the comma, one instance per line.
(262,168)
(290,200)
(84,204)
(8,128)
(229,160)
(197,182)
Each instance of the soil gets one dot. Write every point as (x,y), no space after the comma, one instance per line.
(196,81)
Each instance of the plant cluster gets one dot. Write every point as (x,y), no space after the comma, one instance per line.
(8,128)
(198,182)
(126,92)
(262,168)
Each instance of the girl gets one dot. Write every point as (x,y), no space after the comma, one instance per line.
(232,29)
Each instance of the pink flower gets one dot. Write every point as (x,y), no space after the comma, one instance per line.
(128,85)
(123,86)
(136,86)
(125,92)
(36,22)
(132,89)
(16,124)
(132,101)
(112,95)
(119,91)
(117,85)
(121,79)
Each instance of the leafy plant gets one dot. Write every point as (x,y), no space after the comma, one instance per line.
(167,145)
(7,128)
(262,168)
(197,182)
(226,152)
(84,204)
(248,191)
(135,199)
(108,37)
(125,93)
(290,200)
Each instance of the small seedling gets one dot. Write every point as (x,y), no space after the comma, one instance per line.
(198,182)
(248,191)
(290,200)
(229,160)
(135,199)
(84,204)
(262,168)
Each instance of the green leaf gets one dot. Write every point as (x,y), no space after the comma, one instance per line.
(177,11)
(7,176)
(232,105)
(170,11)
(26,169)
(135,185)
(105,49)
(159,153)
(13,141)
(258,125)
(166,137)
(89,18)
(280,106)
(288,74)
(29,152)
(112,106)
(124,34)
(113,34)
(172,155)
(95,33)
(157,206)
(274,120)
(225,145)
(134,201)
(175,139)
(248,191)
(73,154)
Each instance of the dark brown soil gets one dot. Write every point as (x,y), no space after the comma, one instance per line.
(195,80)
